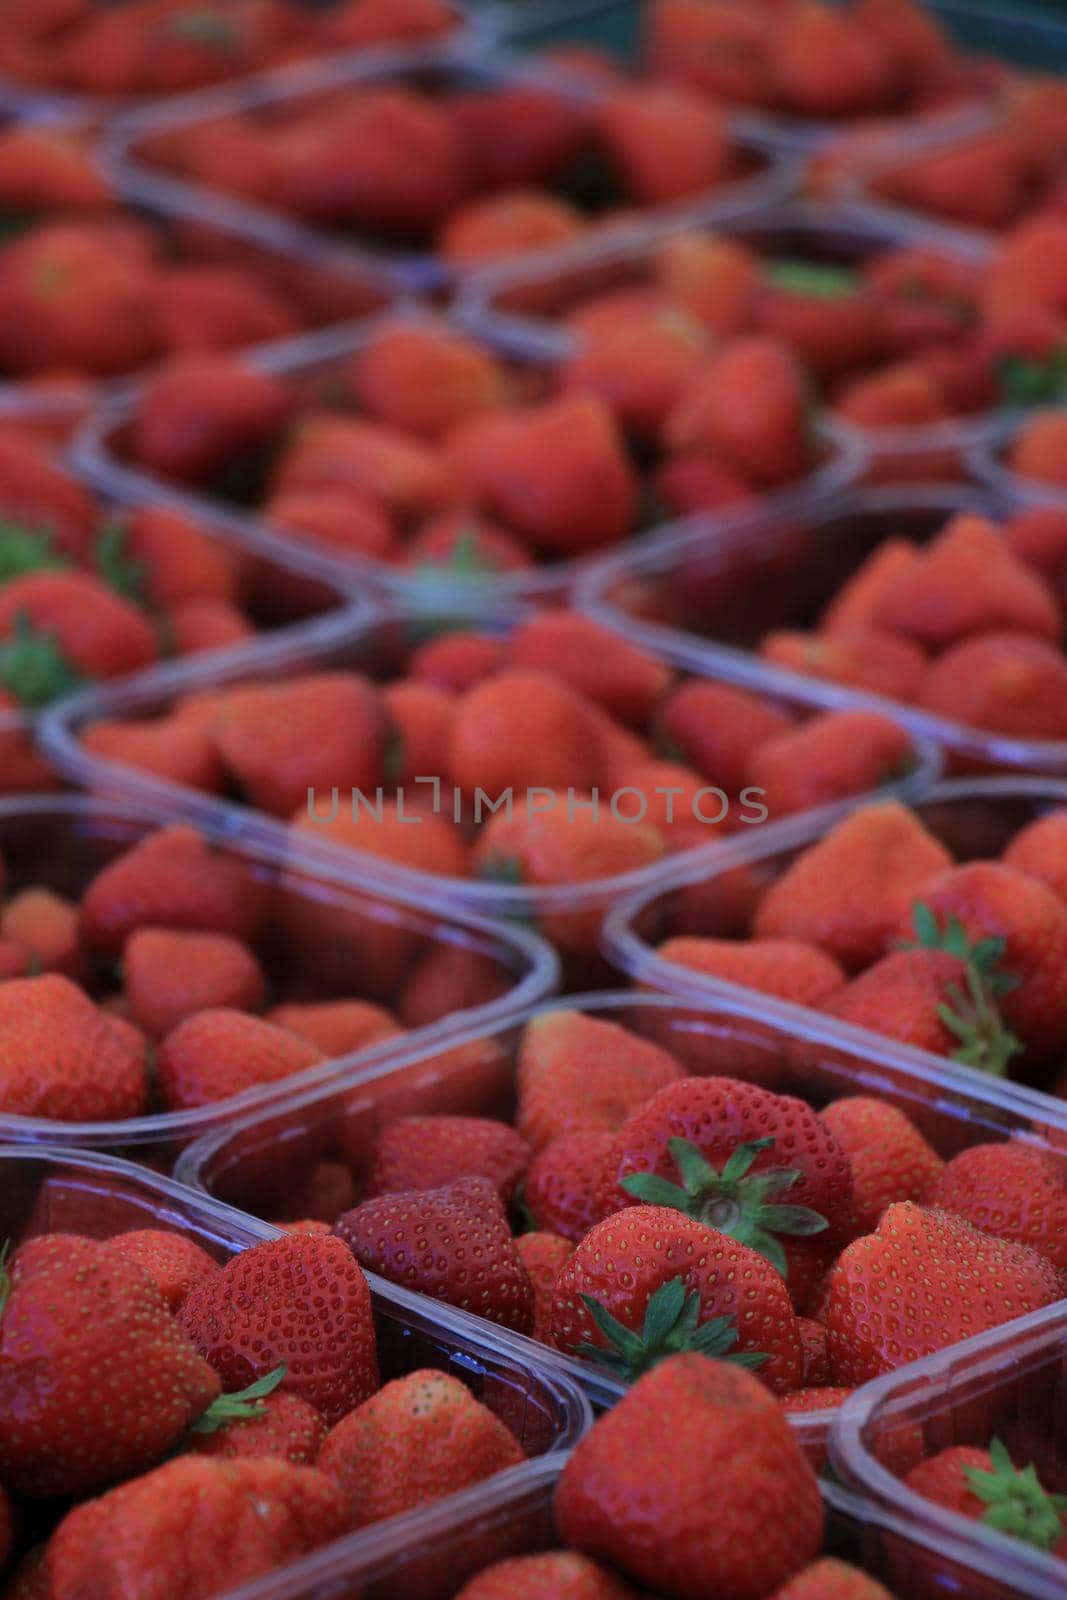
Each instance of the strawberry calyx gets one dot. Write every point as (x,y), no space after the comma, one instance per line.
(24,550)
(814,280)
(1032,381)
(207,28)
(670,1327)
(1015,1503)
(735,1201)
(116,566)
(33,667)
(244,1406)
(970,1011)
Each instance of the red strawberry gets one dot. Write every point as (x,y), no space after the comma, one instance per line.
(199,625)
(849,892)
(986,1487)
(38,498)
(788,969)
(204,413)
(521,730)
(63,1058)
(1010,1191)
(749,407)
(450,978)
(92,630)
(46,927)
(879,1314)
(553,1575)
(336,1027)
(175,748)
(664,143)
(518,134)
(830,1579)
(424,380)
(827,64)
(217,1053)
(689,1434)
(452,1243)
(203,307)
(287,1428)
(301,1302)
(80,1323)
(624,680)
(581,1074)
(421,1437)
(1008,683)
(462,545)
(1040,851)
(507,224)
(717,729)
(543,1255)
(456,661)
(649,1282)
(889,1157)
(406,477)
(429,1152)
(174,1263)
(172,975)
(824,313)
(867,658)
(857,602)
(344,518)
(198,1527)
(816,1373)
(637,359)
(560,1187)
(831,758)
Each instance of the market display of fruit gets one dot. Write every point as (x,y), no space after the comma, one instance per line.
(533,800)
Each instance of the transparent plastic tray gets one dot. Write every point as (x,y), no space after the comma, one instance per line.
(56,1191)
(974,817)
(61,842)
(797,230)
(733,1032)
(376,644)
(765,174)
(100,451)
(706,603)
(1012,1376)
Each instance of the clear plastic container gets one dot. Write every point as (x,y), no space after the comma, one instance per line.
(763,173)
(54,1191)
(378,645)
(1011,1378)
(974,817)
(490,304)
(733,1034)
(364,940)
(315,361)
(988,466)
(705,603)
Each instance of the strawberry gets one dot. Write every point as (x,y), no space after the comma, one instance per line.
(202,307)
(218,1052)
(637,360)
(430,1152)
(174,1263)
(872,659)
(722,49)
(512,222)
(172,975)
(713,279)
(409,832)
(520,730)
(689,1434)
(337,515)
(1037,535)
(788,969)
(543,1255)
(89,630)
(588,500)
(728,1142)
(1037,450)
(199,625)
(649,1282)
(450,978)
(406,477)
(194,1527)
(80,1323)
(747,406)
(47,928)
(425,380)
(662,143)
(287,1428)
(693,482)
(39,498)
(430,1239)
(827,64)
(456,661)
(421,1437)
(717,729)
(816,1362)
(202,413)
(336,1027)
(1036,850)
(518,134)
(358,23)
(831,1579)
(62,1058)
(174,748)
(48,170)
(825,314)
(1008,683)
(552,1575)
(462,545)
(583,1074)
(829,759)
(857,602)
(559,1190)
(879,1314)
(889,1157)
(1010,1191)
(622,679)
(986,1487)
(301,1302)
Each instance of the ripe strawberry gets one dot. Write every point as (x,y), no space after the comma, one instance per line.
(624,680)
(169,558)
(879,1314)
(559,1190)
(430,1152)
(827,64)
(749,407)
(890,1159)
(738,1453)
(816,1362)
(552,1575)
(344,518)
(405,477)
(46,170)
(172,747)
(219,1052)
(452,1243)
(46,927)
(694,482)
(421,719)
(582,1074)
(649,1282)
(717,729)
(456,661)
(788,969)
(359,23)
(662,143)
(1008,683)
(424,380)
(511,223)
(986,1487)
(722,49)
(421,1437)
(287,1428)
(462,545)
(197,1527)
(1037,850)
(729,1142)
(80,1322)
(450,978)
(202,307)
(336,1027)
(199,625)
(172,878)
(831,1579)
(301,1302)
(522,730)
(637,360)
(872,659)
(202,413)
(92,631)
(1010,1191)
(858,601)
(170,976)
(589,498)
(1037,535)
(518,135)
(831,758)
(63,1058)
(1037,450)
(825,314)
(174,1263)
(543,1255)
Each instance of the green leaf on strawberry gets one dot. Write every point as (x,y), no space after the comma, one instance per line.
(970,1013)
(1028,381)
(24,550)
(116,566)
(815,280)
(1015,1502)
(670,1327)
(245,1406)
(736,1201)
(33,668)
